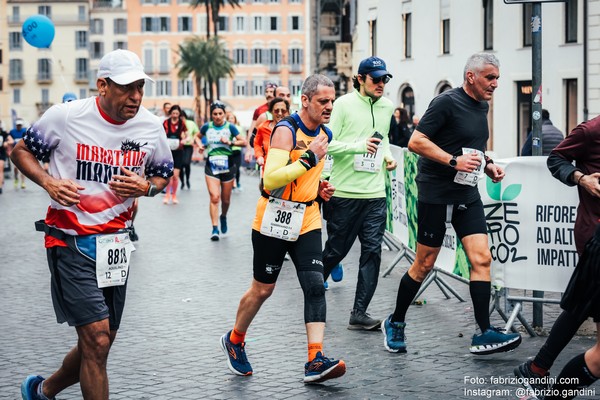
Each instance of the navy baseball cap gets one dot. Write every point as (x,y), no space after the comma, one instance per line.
(373,66)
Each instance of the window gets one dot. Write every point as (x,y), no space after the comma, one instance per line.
(202,23)
(83,93)
(15,70)
(274,60)
(147,24)
(120,45)
(239,56)
(45,95)
(239,87)
(240,23)
(258,25)
(81,69)
(184,24)
(163,55)
(148,61)
(97,26)
(81,13)
(446,36)
(527,25)
(488,25)
(373,31)
(571,102)
(164,24)
(223,87)
(81,39)
(274,1)
(16,14)
(44,69)
(256,56)
(185,87)
(295,1)
(45,10)
(15,41)
(223,24)
(17,96)
(295,87)
(164,1)
(96,50)
(163,87)
(257,88)
(295,56)
(120,26)
(407,35)
(571,22)
(294,23)
(273,24)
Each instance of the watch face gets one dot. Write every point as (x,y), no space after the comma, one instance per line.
(453,162)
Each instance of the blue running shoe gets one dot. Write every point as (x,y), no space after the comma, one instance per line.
(236,356)
(223,219)
(494,340)
(29,387)
(322,368)
(326,285)
(393,335)
(214,236)
(337,273)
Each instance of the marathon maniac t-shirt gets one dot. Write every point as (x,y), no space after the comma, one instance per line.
(452,121)
(83,144)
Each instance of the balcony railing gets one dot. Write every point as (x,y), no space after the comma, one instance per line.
(273,68)
(44,77)
(15,79)
(296,68)
(17,20)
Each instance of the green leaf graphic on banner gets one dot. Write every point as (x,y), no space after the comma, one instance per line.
(493,189)
(511,192)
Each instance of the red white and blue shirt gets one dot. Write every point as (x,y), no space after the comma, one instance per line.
(85,145)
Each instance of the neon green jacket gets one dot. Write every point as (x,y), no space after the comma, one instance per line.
(353,120)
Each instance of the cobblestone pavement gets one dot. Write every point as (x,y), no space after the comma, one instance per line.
(183,294)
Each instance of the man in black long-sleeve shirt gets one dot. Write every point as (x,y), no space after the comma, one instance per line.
(583,147)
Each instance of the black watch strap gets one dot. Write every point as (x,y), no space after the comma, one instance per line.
(152,190)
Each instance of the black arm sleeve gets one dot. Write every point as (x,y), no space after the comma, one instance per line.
(561,168)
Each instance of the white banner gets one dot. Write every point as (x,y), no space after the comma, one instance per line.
(530,218)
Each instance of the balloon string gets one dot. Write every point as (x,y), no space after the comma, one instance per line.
(62,78)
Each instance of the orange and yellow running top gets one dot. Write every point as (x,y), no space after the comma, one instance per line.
(305,188)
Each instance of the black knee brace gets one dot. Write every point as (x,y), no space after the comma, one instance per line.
(315,307)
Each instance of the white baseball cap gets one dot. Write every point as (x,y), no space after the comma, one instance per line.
(122,66)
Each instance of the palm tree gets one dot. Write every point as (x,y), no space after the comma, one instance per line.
(212,8)
(207,61)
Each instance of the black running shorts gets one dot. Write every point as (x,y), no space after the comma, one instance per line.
(467,219)
(306,254)
(76,297)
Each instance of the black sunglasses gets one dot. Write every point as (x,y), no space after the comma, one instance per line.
(384,78)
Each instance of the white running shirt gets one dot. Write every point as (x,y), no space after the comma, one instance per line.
(82,143)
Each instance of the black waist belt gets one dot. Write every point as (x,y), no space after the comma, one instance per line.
(266,196)
(41,226)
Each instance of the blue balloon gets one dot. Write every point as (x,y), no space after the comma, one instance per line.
(38,31)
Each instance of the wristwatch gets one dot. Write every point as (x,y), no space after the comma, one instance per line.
(152,190)
(453,162)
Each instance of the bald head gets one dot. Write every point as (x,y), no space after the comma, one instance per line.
(283,92)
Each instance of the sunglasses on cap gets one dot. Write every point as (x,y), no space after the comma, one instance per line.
(384,78)
(217,104)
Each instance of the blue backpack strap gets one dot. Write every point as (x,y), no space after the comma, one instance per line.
(290,123)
